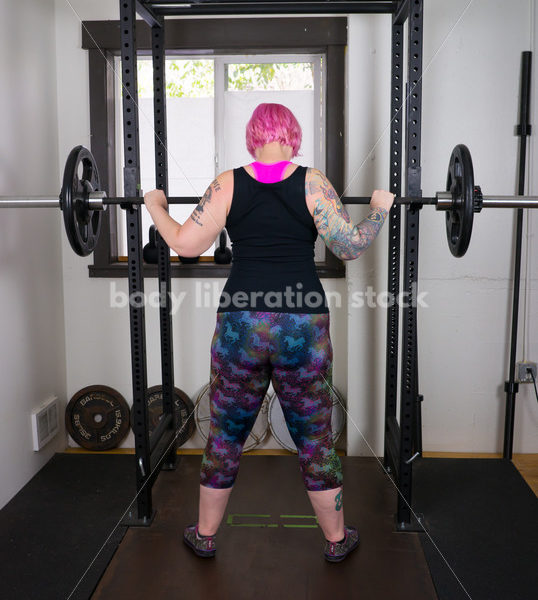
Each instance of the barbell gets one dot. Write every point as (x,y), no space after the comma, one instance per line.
(82,202)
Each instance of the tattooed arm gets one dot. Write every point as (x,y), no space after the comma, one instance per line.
(344,239)
(207,220)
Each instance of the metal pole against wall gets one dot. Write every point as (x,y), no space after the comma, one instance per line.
(511,386)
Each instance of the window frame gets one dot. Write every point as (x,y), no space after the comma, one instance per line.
(204,37)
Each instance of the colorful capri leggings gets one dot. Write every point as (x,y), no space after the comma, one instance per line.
(248,350)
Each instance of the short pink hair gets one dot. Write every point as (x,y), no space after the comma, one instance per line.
(273,123)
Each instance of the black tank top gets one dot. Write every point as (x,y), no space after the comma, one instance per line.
(273,237)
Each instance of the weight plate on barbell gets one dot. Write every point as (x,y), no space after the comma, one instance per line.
(82,225)
(184,408)
(460,183)
(97,417)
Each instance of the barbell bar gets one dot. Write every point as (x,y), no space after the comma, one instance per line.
(100,201)
(82,202)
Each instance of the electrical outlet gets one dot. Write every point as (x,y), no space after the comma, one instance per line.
(523,371)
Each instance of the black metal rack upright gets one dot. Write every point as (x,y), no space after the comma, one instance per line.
(402,437)
(409,396)
(131,182)
(157,450)
(169,421)
(392,436)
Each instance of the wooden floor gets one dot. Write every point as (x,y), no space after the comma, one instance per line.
(269,546)
(527,465)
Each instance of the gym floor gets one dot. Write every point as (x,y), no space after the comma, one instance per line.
(269,547)
(72,542)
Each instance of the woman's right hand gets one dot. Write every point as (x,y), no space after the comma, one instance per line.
(382,199)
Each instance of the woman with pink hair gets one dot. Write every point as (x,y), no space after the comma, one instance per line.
(272,322)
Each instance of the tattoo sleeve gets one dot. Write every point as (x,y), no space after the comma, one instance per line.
(196,215)
(345,240)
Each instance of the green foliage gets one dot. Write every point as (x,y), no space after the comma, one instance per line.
(184,78)
(270,76)
(244,77)
(187,78)
(190,78)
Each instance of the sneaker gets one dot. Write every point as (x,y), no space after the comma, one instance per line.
(337,551)
(202,545)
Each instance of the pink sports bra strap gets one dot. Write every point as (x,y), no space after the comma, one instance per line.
(270,173)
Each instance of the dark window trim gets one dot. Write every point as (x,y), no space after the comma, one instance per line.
(327,35)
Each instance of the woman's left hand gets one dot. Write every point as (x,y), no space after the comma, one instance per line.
(155,198)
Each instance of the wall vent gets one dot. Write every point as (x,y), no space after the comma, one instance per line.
(45,422)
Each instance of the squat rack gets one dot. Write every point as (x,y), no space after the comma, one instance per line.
(402,437)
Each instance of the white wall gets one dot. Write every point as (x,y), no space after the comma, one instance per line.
(470,95)
(471,87)
(32,363)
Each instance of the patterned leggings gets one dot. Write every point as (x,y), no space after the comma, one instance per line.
(248,350)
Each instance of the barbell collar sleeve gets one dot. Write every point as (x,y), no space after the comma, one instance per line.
(444,200)
(97,201)
(29,202)
(510,202)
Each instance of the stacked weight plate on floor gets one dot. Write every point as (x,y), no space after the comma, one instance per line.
(183,407)
(97,417)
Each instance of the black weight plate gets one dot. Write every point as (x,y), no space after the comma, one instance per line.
(460,183)
(184,408)
(97,417)
(82,225)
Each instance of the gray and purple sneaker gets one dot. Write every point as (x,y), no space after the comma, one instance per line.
(337,551)
(202,545)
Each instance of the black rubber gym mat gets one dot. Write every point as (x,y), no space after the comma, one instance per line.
(53,528)
(264,550)
(483,517)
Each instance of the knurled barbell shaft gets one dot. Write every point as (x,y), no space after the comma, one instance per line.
(195,200)
(442,200)
(488,201)
(98,199)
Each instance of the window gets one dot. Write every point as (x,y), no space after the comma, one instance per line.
(212,88)
(190,108)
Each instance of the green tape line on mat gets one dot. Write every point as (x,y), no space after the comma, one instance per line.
(300,517)
(231,517)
